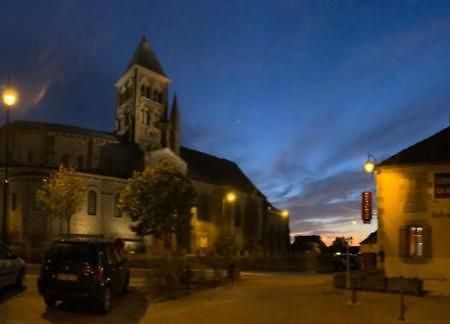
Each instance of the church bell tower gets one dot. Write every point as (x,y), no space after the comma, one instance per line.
(142,101)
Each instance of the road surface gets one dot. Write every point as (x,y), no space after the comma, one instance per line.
(257,298)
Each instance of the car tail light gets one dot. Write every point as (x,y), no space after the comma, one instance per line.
(97,274)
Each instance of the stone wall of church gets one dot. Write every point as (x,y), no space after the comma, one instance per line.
(30,229)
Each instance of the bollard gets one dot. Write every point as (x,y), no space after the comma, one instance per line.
(402,305)
(231,272)
(187,276)
(354,301)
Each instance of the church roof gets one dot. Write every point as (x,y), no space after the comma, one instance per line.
(146,57)
(201,166)
(434,149)
(62,129)
(211,169)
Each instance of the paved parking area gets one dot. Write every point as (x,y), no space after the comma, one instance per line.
(257,298)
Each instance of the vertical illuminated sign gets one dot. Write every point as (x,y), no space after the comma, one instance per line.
(366,207)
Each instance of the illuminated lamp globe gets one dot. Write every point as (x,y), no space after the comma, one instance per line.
(230,197)
(369,166)
(285,214)
(9,97)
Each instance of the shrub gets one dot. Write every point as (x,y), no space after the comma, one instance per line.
(164,280)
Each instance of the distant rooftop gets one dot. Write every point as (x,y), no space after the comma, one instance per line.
(371,239)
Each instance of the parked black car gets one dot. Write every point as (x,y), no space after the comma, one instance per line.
(12,268)
(83,269)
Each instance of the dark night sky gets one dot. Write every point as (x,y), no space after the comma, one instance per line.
(296,92)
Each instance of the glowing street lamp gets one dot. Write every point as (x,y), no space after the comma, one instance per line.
(9,97)
(369,165)
(230,197)
(285,214)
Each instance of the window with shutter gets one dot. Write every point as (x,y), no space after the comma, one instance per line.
(415,241)
(402,240)
(427,246)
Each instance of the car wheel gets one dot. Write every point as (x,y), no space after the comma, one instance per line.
(50,302)
(20,278)
(105,301)
(126,285)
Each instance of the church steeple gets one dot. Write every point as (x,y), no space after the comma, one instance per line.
(142,100)
(174,128)
(174,113)
(145,57)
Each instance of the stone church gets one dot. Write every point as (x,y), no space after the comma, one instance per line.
(146,132)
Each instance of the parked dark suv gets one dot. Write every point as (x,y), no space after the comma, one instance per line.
(84,268)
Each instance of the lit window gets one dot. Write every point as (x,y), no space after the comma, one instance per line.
(416,241)
(92,203)
(203,242)
(116,209)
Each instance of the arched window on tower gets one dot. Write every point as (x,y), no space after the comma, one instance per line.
(147,118)
(148,93)
(65,160)
(142,90)
(116,210)
(92,203)
(155,95)
(160,97)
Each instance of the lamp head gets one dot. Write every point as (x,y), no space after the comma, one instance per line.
(369,166)
(9,97)
(230,197)
(285,214)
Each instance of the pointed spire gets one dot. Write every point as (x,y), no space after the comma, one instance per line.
(174,113)
(146,57)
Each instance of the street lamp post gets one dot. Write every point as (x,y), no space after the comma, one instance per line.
(230,197)
(348,240)
(9,100)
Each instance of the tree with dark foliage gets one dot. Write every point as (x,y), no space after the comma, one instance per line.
(159,201)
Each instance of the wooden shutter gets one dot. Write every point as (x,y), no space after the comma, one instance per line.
(427,242)
(403,241)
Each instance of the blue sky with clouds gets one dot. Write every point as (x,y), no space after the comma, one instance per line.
(297,92)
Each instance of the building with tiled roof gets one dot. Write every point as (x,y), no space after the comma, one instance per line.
(146,132)
(413,201)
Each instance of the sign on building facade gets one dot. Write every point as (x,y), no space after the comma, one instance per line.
(366,207)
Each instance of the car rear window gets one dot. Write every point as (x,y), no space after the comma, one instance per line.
(73,252)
